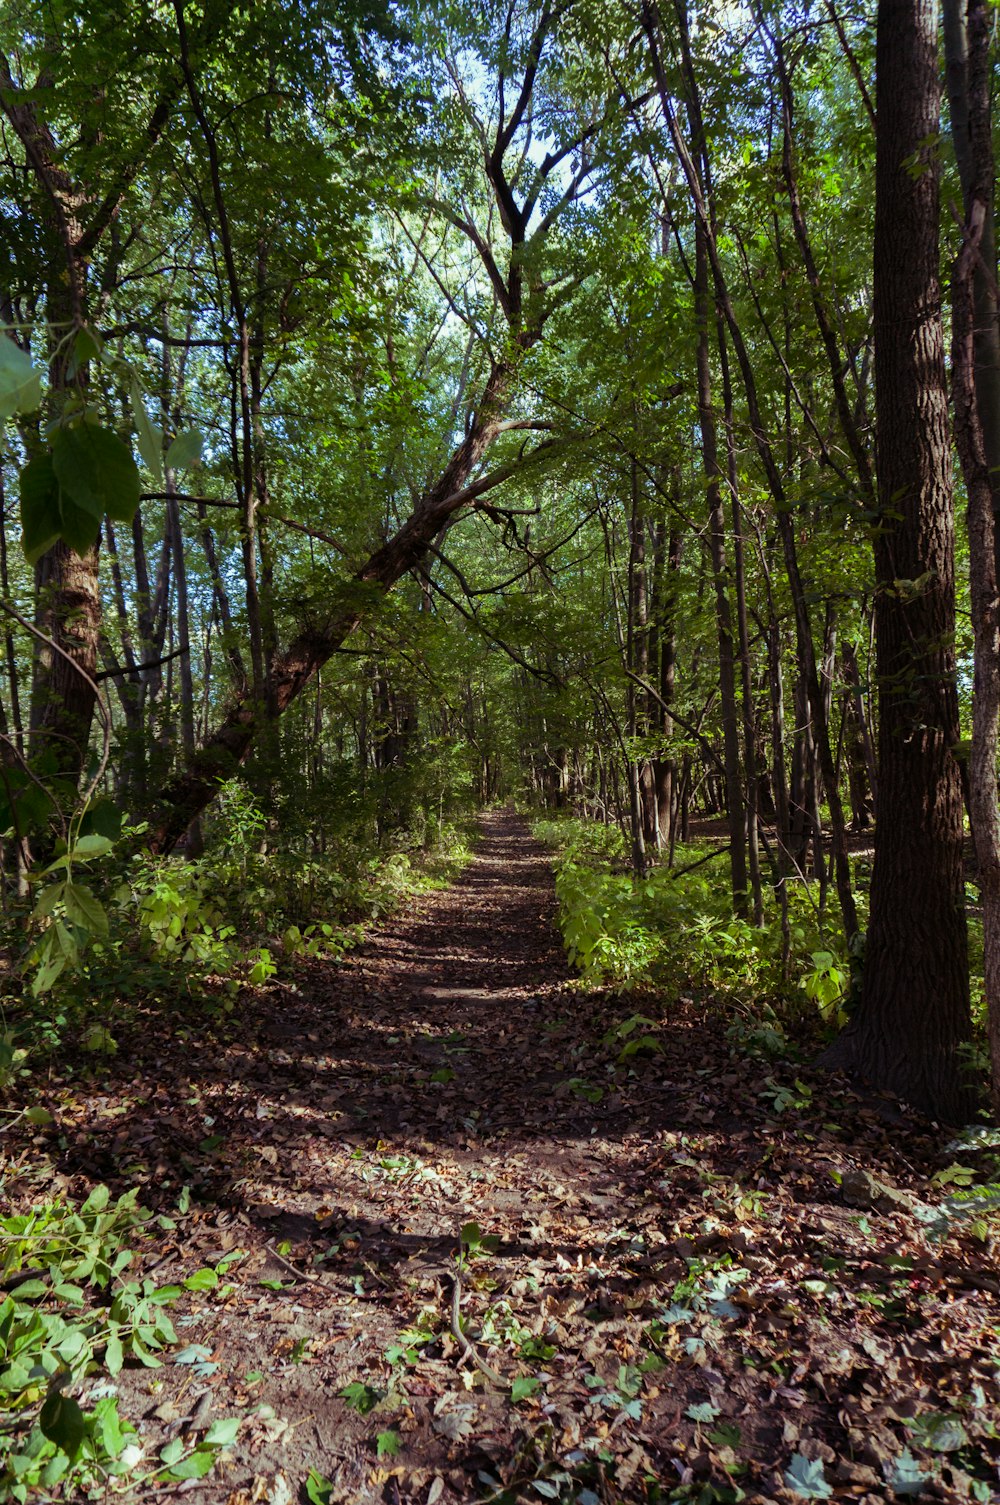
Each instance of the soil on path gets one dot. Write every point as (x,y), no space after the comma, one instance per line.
(663,1265)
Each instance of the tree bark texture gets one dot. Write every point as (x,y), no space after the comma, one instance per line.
(914,1009)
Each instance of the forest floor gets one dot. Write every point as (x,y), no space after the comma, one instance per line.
(692,1271)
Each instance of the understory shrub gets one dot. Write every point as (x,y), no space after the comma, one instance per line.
(676,929)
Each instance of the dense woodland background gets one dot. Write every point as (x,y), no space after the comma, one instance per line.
(419,420)
(415,408)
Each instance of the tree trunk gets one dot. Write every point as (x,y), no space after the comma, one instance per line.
(914,1009)
(976,394)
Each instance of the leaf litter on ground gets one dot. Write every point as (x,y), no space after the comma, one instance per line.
(688,1292)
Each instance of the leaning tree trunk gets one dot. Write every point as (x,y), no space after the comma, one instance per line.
(914,1009)
(187,795)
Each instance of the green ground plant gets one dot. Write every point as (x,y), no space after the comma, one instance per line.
(676,929)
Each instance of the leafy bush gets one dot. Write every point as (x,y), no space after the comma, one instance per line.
(677,929)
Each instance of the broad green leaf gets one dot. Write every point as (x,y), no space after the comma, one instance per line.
(87,346)
(195,1466)
(361,1397)
(96,471)
(79,528)
(84,909)
(387,1444)
(524,1386)
(20,383)
(222,1432)
(97,1201)
(184,450)
(62,1422)
(41,519)
(204,1279)
(147,436)
(173,1451)
(114,1356)
(319,1490)
(93,845)
(39,1116)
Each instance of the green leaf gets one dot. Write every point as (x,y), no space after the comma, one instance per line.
(222,1432)
(904,1475)
(185,450)
(92,845)
(940,1431)
(39,1116)
(360,1397)
(388,1444)
(41,519)
(702,1411)
(807,1478)
(173,1452)
(84,909)
(204,1279)
(62,1422)
(97,1201)
(524,1386)
(79,529)
(148,437)
(20,383)
(114,1357)
(96,470)
(87,346)
(319,1490)
(195,1466)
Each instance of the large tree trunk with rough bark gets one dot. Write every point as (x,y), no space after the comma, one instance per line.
(914,1009)
(976,391)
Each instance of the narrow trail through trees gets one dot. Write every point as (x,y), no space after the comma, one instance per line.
(662,1236)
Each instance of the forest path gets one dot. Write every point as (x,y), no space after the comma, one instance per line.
(668,1270)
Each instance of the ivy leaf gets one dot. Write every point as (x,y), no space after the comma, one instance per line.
(807,1478)
(96,471)
(20,383)
(41,519)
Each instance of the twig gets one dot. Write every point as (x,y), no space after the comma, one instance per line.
(468,1347)
(319,1280)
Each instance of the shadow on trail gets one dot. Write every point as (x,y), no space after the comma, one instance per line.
(443,1070)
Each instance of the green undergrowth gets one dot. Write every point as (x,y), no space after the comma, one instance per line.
(675,929)
(109,928)
(73,1314)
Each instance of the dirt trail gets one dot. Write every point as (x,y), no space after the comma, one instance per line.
(672,1274)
